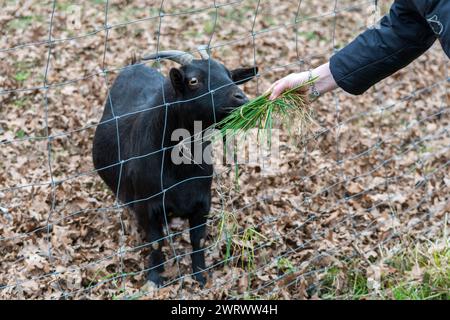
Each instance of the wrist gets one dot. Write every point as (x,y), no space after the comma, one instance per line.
(325,81)
(313,91)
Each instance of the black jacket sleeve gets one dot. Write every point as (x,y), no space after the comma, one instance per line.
(403,35)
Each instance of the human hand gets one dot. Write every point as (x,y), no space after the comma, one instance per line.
(290,81)
(324,83)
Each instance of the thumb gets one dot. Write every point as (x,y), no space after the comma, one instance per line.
(269,90)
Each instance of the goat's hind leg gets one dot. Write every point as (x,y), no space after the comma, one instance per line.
(156,240)
(197,224)
(150,221)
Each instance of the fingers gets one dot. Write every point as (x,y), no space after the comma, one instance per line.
(278,89)
(269,90)
(288,82)
(285,83)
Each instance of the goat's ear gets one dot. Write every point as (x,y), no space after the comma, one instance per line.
(242,75)
(177,79)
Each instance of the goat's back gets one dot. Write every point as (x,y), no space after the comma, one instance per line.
(133,90)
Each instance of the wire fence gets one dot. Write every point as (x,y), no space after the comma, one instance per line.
(340,202)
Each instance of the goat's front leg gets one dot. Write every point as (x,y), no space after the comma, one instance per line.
(197,224)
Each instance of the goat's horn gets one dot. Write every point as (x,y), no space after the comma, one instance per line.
(177,56)
(203,50)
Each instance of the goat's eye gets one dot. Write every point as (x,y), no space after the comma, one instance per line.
(193,82)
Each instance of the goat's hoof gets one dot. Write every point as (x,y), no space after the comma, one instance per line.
(156,278)
(200,279)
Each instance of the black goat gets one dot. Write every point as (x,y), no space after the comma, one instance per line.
(132,144)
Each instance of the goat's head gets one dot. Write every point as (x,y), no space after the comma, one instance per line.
(206,84)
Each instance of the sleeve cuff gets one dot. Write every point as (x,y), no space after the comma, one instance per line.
(341,78)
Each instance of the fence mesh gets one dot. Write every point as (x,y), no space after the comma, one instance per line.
(340,207)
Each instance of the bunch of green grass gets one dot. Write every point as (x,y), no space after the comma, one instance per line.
(291,106)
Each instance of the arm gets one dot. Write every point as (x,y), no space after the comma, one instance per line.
(402,36)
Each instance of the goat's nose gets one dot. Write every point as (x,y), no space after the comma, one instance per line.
(240,96)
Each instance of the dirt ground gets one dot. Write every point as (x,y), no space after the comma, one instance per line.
(373,176)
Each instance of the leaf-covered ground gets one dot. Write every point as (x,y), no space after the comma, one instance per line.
(371,181)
